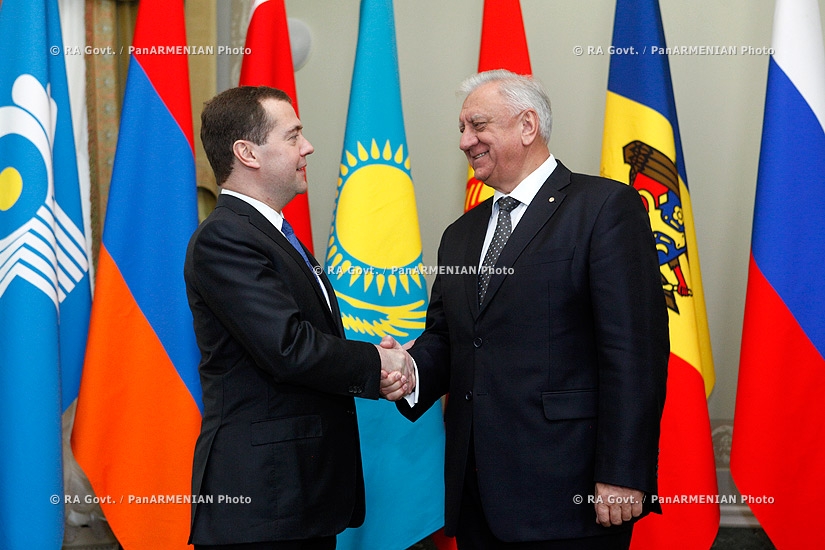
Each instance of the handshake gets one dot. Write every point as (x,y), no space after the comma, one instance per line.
(397,370)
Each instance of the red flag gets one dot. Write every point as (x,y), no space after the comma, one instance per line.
(503,46)
(138,411)
(269,63)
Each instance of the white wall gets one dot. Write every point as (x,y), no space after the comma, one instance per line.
(719,100)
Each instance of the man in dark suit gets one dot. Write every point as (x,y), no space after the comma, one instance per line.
(555,355)
(277,464)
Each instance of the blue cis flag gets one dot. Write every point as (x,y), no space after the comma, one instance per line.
(641,147)
(45,293)
(374,262)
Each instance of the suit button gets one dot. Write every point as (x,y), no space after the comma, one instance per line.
(356,389)
(477,342)
(468,396)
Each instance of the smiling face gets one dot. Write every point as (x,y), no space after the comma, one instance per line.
(492,137)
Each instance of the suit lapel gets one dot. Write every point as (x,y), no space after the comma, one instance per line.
(262,224)
(333,301)
(472,251)
(541,209)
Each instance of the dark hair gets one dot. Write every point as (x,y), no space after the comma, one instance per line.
(235,114)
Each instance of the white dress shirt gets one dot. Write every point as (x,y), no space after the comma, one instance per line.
(524,192)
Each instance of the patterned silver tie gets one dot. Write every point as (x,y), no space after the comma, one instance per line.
(503,229)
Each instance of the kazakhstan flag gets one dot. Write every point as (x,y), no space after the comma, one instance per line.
(375,264)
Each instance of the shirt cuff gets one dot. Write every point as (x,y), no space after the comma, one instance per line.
(412,397)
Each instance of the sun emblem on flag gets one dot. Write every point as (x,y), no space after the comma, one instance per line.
(374,251)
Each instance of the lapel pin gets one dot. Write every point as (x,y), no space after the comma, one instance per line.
(552,199)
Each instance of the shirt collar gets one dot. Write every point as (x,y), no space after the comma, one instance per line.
(529,186)
(274,217)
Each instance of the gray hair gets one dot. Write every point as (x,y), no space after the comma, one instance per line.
(520,93)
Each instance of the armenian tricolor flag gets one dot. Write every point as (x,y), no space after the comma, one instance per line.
(138,413)
(641,147)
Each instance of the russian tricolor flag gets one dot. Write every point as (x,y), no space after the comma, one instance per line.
(139,408)
(778,454)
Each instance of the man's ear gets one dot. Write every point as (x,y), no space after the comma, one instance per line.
(246,154)
(529,126)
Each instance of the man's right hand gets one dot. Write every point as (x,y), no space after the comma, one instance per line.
(397,372)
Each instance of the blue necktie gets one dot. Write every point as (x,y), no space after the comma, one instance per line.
(289,233)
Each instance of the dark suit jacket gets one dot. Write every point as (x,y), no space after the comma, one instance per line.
(279,426)
(560,375)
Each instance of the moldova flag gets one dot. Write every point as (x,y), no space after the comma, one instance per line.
(139,409)
(641,147)
(45,291)
(778,453)
(503,46)
(375,264)
(269,63)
